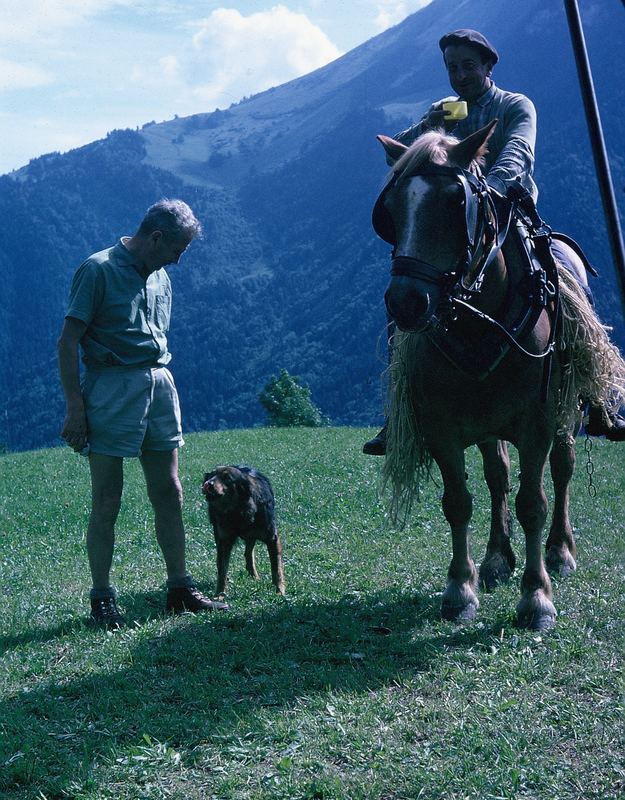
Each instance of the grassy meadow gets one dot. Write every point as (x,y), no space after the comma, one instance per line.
(350,687)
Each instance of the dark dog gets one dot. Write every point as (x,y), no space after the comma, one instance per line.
(241,504)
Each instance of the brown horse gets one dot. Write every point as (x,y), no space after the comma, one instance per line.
(478,362)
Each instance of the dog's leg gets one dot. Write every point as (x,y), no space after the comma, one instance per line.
(250,561)
(224,548)
(274,546)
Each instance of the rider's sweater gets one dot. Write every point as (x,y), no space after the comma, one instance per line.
(511,146)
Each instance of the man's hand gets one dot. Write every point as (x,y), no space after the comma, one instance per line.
(75,427)
(435,118)
(75,424)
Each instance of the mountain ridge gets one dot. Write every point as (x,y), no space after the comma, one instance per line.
(289,272)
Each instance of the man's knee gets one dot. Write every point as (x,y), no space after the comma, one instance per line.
(105,506)
(166,494)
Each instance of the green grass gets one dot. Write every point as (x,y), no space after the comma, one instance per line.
(351,687)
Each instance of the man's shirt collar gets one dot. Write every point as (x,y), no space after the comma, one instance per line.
(124,258)
(486,96)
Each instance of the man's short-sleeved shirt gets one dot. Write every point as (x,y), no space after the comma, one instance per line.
(127,316)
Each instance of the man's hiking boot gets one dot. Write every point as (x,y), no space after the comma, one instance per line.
(602,423)
(105,614)
(377,445)
(188,598)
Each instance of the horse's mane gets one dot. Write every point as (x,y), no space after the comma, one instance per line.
(432,147)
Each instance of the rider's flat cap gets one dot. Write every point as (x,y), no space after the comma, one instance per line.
(469,37)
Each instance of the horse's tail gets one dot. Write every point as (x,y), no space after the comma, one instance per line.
(408,461)
(594,368)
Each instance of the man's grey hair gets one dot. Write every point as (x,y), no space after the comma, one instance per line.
(173,217)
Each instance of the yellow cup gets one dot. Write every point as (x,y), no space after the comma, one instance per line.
(456,109)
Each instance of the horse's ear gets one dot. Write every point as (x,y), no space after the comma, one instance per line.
(473,147)
(394,149)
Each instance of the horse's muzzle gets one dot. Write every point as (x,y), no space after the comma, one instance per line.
(410,304)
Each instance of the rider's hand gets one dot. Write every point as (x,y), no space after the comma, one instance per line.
(435,118)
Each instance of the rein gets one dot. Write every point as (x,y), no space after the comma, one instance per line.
(486,318)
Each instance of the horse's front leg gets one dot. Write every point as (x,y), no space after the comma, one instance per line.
(460,601)
(535,609)
(499,561)
(560,546)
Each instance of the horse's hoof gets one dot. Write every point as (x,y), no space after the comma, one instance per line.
(536,613)
(494,571)
(560,563)
(464,613)
(536,622)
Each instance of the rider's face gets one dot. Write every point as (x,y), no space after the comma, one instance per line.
(468,74)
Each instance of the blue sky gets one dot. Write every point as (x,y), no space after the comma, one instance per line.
(72,70)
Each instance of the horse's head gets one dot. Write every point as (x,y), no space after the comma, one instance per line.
(429,212)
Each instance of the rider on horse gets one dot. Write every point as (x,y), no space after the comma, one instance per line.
(469,59)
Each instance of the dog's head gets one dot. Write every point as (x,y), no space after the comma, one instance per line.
(226,485)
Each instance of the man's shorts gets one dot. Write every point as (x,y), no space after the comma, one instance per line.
(130,410)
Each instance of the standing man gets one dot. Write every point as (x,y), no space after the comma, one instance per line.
(127,404)
(469,59)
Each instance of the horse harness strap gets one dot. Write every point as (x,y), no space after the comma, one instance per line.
(488,227)
(546,269)
(488,223)
(541,292)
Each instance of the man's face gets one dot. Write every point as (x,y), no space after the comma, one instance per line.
(166,251)
(468,75)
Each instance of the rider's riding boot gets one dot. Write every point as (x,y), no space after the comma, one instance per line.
(377,445)
(602,423)
(617,431)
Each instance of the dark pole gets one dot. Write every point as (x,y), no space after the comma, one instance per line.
(597,143)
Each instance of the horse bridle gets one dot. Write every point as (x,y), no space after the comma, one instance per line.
(481,226)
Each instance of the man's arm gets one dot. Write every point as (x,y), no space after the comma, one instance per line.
(434,117)
(516,157)
(75,424)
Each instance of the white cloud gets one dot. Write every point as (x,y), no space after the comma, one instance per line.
(236,55)
(38,29)
(22,20)
(22,76)
(392,12)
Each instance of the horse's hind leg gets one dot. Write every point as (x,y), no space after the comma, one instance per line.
(460,601)
(499,561)
(560,547)
(535,609)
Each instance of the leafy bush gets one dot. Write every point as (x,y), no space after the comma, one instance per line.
(288,404)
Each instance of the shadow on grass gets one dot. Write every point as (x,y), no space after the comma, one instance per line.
(211,675)
(144,607)
(195,678)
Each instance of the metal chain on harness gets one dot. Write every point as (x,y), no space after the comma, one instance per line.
(590,467)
